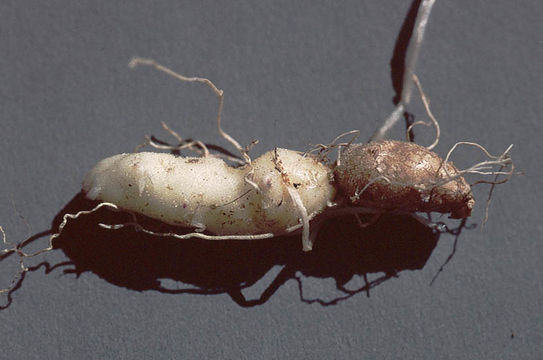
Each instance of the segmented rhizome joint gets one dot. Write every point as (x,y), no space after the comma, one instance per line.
(396,175)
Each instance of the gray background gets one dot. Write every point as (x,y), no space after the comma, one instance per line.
(294,74)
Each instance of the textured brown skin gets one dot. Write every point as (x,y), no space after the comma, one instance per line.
(413,171)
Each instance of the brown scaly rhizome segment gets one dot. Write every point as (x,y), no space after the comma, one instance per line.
(397,175)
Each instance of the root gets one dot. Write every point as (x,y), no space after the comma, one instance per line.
(484,167)
(389,122)
(411,57)
(22,255)
(248,178)
(402,186)
(434,122)
(197,234)
(244,151)
(324,149)
(503,161)
(456,234)
(357,193)
(196,146)
(22,268)
(307,244)
(179,138)
(488,199)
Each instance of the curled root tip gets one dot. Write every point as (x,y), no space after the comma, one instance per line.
(136,60)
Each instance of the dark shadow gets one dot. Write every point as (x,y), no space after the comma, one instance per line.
(397,63)
(17,282)
(138,261)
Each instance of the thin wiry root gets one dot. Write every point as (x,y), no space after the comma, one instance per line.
(63,224)
(198,235)
(411,57)
(307,244)
(453,252)
(484,167)
(457,199)
(357,193)
(16,278)
(4,239)
(494,167)
(502,161)
(492,186)
(196,146)
(177,136)
(22,268)
(248,178)
(220,94)
(22,255)
(389,122)
(324,149)
(434,122)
